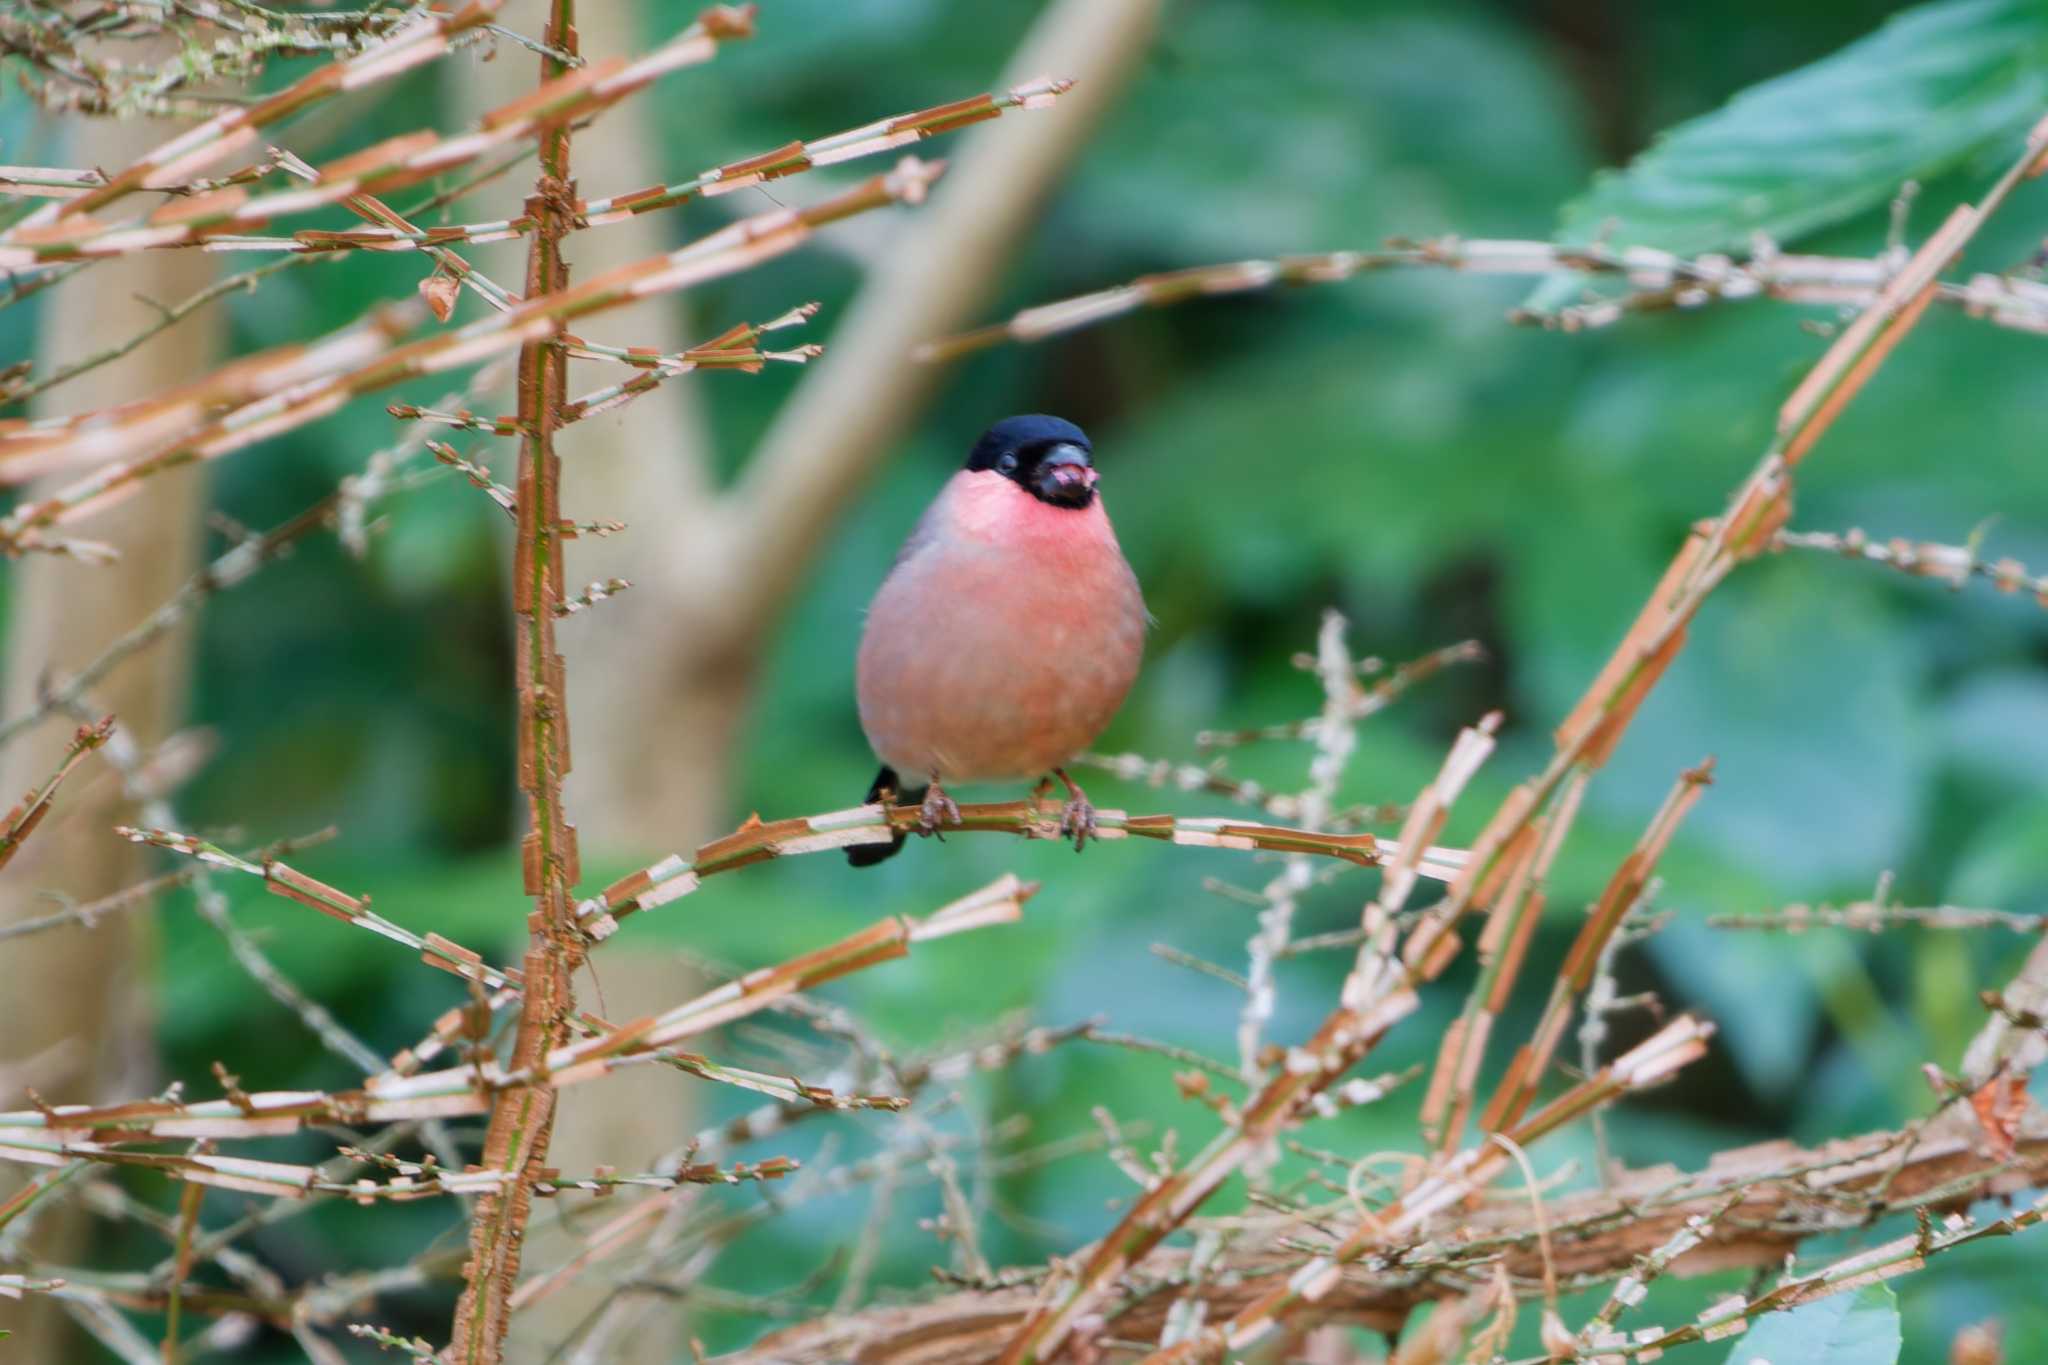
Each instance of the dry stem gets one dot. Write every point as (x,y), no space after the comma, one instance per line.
(522,1118)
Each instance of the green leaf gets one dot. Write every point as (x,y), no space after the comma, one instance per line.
(1355,136)
(1844,1329)
(1820,144)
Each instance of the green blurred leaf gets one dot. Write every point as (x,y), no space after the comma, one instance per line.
(1999,722)
(1829,140)
(1759,991)
(1844,1329)
(2006,862)
(1356,135)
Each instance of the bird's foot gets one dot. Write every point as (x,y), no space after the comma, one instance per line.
(1077,817)
(937,809)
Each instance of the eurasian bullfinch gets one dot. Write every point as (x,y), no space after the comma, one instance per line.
(1007,633)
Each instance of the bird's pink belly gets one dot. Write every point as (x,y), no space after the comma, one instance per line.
(974,681)
(1007,730)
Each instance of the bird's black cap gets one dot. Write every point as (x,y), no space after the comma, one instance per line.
(1048,457)
(1025,437)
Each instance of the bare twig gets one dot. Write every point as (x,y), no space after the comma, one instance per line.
(1876,916)
(1952,564)
(1525,1071)
(231,568)
(1335,738)
(868,140)
(58,1134)
(20,822)
(1657,280)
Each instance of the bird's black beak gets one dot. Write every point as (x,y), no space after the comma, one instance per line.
(1064,476)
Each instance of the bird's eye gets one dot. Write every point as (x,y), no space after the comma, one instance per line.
(1007,464)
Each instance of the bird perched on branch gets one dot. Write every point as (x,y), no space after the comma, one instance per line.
(1006,635)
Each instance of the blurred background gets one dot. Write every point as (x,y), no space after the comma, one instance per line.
(1389,447)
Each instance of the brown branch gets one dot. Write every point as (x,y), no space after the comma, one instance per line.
(188,1221)
(1452,1181)
(1517,1089)
(1503,947)
(999,902)
(245,282)
(1589,734)
(675,876)
(1783,1195)
(20,822)
(872,139)
(2013,1040)
(522,1118)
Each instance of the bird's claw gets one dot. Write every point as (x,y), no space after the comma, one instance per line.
(1077,819)
(937,809)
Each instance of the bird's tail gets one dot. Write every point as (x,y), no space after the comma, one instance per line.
(887,788)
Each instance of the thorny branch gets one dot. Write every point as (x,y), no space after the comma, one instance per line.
(522,1117)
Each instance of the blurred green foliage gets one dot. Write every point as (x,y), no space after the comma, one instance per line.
(1389,447)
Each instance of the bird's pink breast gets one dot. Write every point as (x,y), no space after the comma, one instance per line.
(1004,640)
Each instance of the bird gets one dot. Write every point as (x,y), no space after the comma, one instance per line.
(1006,635)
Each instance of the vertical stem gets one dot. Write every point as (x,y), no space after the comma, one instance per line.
(522,1119)
(188,1223)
